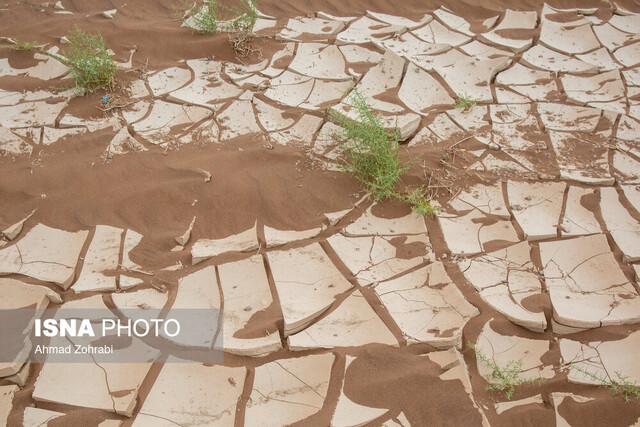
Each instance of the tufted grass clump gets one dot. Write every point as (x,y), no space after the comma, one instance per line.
(508,376)
(213,17)
(621,386)
(89,61)
(372,155)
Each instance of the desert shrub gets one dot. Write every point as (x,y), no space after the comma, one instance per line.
(212,17)
(621,386)
(87,57)
(18,45)
(371,154)
(508,376)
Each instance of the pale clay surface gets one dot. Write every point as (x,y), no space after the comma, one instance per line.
(408,68)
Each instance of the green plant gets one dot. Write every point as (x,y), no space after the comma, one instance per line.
(87,57)
(465,102)
(371,151)
(213,17)
(419,202)
(372,154)
(622,386)
(23,46)
(507,376)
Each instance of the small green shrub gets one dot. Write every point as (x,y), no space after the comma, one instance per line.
(419,202)
(22,46)
(87,57)
(465,103)
(212,17)
(372,154)
(507,376)
(621,386)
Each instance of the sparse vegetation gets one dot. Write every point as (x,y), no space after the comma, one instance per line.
(419,201)
(18,45)
(507,377)
(212,17)
(465,103)
(620,386)
(87,57)
(372,155)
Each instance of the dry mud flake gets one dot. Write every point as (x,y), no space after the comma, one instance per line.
(7,393)
(513,21)
(502,349)
(166,116)
(534,84)
(543,58)
(198,290)
(31,114)
(385,76)
(466,235)
(289,390)
(602,87)
(208,248)
(102,256)
(469,76)
(36,417)
(369,224)
(578,220)
(574,165)
(398,20)
(427,306)
(208,89)
(504,279)
(145,299)
(628,55)
(238,119)
(409,47)
(569,118)
(192,394)
(536,207)
(375,258)
(624,229)
(168,80)
(17,295)
(310,29)
(586,285)
(602,359)
(44,253)
(568,39)
(486,198)
(365,30)
(420,91)
(246,292)
(353,323)
(436,33)
(307,283)
(441,129)
(12,144)
(271,118)
(114,386)
(275,237)
(320,61)
(506,406)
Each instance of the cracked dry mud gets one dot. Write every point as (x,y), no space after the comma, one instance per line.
(337,310)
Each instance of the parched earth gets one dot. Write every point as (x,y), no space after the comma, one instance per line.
(209,180)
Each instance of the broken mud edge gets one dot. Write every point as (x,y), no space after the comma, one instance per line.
(73,349)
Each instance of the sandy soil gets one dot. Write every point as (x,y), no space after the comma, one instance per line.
(153,192)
